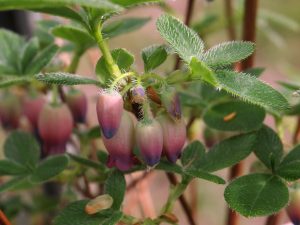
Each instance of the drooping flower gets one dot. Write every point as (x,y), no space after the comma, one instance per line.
(293,209)
(170,100)
(55,126)
(174,136)
(109,112)
(77,102)
(120,146)
(149,138)
(32,108)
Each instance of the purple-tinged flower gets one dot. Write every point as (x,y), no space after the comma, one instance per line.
(174,136)
(55,126)
(170,100)
(77,102)
(32,108)
(138,94)
(293,209)
(109,111)
(120,146)
(149,138)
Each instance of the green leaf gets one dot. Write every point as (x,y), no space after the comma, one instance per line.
(252,90)
(65,79)
(257,195)
(10,45)
(123,26)
(234,116)
(205,175)
(33,4)
(268,147)
(49,168)
(41,60)
(29,51)
(290,166)
(153,56)
(22,148)
(8,167)
(228,152)
(129,3)
(42,31)
(115,186)
(228,53)
(12,80)
(122,58)
(290,86)
(74,214)
(79,37)
(11,184)
(184,40)
(169,167)
(192,155)
(86,162)
(115,217)
(201,72)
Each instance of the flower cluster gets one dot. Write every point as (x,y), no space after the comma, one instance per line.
(154,137)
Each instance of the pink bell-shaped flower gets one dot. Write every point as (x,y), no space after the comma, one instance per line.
(109,111)
(149,138)
(120,146)
(55,126)
(32,108)
(174,136)
(77,102)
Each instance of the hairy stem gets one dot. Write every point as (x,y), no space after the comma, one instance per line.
(111,65)
(249,32)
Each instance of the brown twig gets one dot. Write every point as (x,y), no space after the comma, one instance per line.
(137,180)
(173,180)
(187,21)
(274,219)
(230,19)
(3,219)
(249,32)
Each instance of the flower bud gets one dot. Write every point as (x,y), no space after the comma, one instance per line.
(138,94)
(293,209)
(55,126)
(174,136)
(10,111)
(109,111)
(149,138)
(120,146)
(170,100)
(32,108)
(77,102)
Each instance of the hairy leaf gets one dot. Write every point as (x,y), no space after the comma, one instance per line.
(228,152)
(234,116)
(153,56)
(184,40)
(257,195)
(10,81)
(268,147)
(49,168)
(123,26)
(22,148)
(290,166)
(65,79)
(228,53)
(115,186)
(192,155)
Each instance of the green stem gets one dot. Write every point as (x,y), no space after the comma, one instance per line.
(111,65)
(175,193)
(55,94)
(75,60)
(119,78)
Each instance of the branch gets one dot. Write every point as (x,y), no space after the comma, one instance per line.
(182,200)
(230,19)
(3,219)
(249,32)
